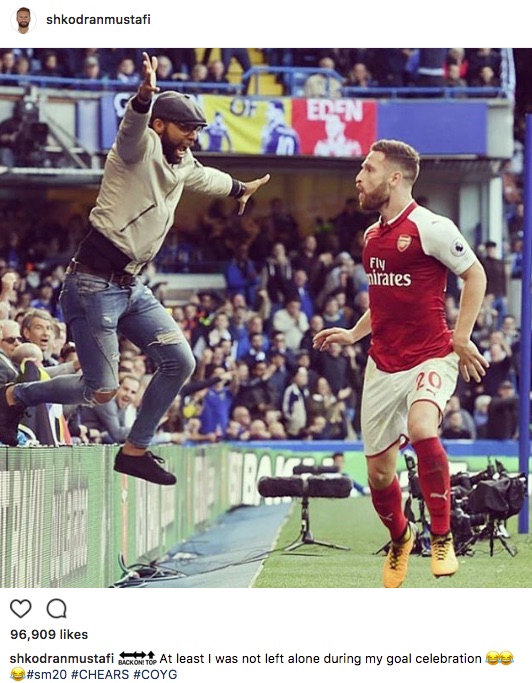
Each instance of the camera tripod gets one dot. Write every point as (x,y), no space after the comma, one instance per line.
(305,537)
(490,531)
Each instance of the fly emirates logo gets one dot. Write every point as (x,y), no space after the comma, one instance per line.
(378,275)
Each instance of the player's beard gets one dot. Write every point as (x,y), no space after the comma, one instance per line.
(375,200)
(23,24)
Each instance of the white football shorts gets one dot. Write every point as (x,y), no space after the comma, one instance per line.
(387,397)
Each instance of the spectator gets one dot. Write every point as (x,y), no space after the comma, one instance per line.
(482,57)
(258,346)
(276,275)
(430,70)
(183,59)
(359,76)
(165,69)
(323,403)
(480,415)
(516,259)
(279,379)
(238,327)
(324,84)
(277,431)
(50,66)
(486,79)
(456,57)
(316,325)
(278,342)
(216,74)
(37,328)
(217,406)
(242,416)
(341,275)
(59,344)
(255,325)
(315,265)
(126,72)
(294,404)
(234,432)
(198,78)
(241,55)
(10,339)
(8,64)
(503,413)
(332,315)
(256,394)
(258,431)
(91,70)
(453,78)
(299,289)
(44,300)
(455,427)
(496,275)
(346,310)
(194,434)
(500,366)
(335,368)
(466,420)
(389,67)
(302,360)
(291,321)
(241,276)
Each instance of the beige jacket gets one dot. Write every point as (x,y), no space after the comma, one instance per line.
(140,190)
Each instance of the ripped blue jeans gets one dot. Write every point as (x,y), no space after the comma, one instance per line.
(97,311)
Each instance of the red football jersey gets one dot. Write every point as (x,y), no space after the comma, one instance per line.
(406,262)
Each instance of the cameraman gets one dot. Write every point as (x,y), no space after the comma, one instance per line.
(21,136)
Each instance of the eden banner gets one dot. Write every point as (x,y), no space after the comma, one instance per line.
(283,126)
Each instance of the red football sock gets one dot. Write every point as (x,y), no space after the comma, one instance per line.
(388,503)
(435,482)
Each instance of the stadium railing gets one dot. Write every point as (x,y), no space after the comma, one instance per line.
(293,77)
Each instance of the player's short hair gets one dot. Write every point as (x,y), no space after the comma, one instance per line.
(401,154)
(23,9)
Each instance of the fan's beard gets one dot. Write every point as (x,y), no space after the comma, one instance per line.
(169,150)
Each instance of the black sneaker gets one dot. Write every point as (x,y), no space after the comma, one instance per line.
(144,467)
(10,416)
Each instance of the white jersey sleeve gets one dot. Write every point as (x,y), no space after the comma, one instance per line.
(441,239)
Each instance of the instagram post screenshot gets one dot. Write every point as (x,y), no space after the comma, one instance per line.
(265,332)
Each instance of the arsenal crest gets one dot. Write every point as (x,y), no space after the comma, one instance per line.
(403,242)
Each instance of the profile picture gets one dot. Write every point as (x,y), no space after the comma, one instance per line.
(23,20)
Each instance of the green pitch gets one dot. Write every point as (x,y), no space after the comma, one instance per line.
(354,523)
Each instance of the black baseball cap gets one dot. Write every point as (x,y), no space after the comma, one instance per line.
(175,106)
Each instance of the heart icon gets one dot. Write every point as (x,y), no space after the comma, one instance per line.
(20,607)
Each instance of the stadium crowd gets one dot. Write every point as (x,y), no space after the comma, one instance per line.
(258,376)
(347,67)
